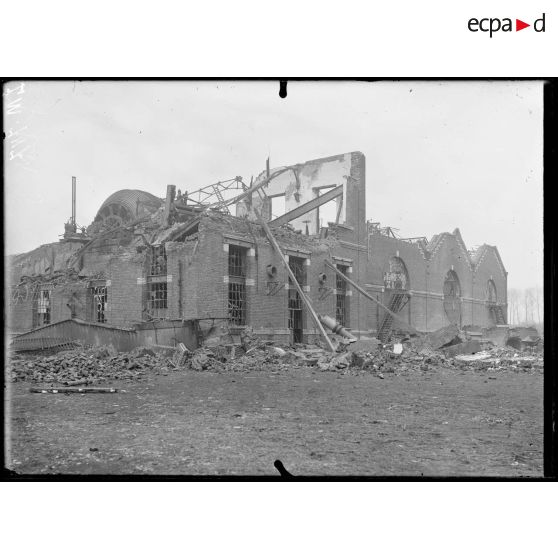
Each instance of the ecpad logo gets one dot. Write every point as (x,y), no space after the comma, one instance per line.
(493,25)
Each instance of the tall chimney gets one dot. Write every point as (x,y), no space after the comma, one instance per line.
(74,201)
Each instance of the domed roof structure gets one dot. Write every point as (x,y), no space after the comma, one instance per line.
(127,205)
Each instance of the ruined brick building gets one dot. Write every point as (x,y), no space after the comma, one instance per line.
(148,262)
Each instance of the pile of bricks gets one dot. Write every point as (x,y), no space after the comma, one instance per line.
(87,367)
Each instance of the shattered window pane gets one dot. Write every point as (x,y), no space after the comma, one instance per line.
(237,303)
(237,285)
(158,260)
(396,277)
(99,299)
(341,306)
(295,317)
(340,310)
(295,310)
(41,307)
(298,268)
(340,283)
(158,295)
(237,261)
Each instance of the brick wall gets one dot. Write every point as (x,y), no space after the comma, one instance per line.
(197,270)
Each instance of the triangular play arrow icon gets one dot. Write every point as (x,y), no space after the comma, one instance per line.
(519,25)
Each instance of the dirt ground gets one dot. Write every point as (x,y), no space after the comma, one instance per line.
(439,422)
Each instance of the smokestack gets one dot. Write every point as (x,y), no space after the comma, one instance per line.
(74,201)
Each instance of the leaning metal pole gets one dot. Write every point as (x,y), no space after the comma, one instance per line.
(302,294)
(368,296)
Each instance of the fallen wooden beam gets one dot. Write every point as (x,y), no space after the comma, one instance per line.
(307,207)
(76,390)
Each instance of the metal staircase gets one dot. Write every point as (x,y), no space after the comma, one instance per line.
(497,313)
(397,302)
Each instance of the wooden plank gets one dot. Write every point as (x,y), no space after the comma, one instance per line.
(307,207)
(76,390)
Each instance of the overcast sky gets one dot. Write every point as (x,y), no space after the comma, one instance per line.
(438,155)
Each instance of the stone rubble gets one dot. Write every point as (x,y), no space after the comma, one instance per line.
(409,355)
(87,366)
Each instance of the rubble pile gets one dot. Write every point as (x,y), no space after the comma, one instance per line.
(87,366)
(448,347)
(415,354)
(363,356)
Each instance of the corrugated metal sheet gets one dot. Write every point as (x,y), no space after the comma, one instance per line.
(65,332)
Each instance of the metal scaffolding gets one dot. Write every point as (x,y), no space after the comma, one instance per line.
(213,193)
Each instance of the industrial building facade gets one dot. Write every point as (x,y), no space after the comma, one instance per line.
(147,259)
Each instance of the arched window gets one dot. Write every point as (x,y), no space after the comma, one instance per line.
(452,297)
(491,291)
(396,277)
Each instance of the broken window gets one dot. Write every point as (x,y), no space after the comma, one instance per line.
(98,299)
(41,306)
(341,302)
(157,294)
(396,278)
(298,268)
(237,285)
(158,260)
(295,314)
(157,280)
(295,319)
(237,261)
(237,303)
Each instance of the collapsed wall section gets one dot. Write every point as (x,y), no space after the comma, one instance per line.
(298,184)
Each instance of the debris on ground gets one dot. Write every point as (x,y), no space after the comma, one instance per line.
(448,347)
(466,348)
(443,337)
(76,390)
(366,345)
(80,367)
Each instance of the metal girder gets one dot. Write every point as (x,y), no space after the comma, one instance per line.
(368,296)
